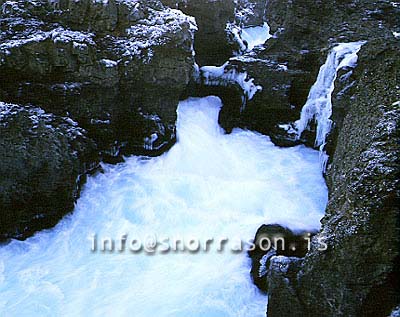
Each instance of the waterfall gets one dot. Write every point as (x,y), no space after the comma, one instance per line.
(209,185)
(255,35)
(319,101)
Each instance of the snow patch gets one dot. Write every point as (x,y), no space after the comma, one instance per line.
(58,35)
(288,128)
(61,35)
(108,63)
(224,75)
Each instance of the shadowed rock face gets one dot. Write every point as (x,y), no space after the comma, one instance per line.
(41,158)
(212,16)
(358,274)
(251,12)
(272,242)
(287,65)
(117,69)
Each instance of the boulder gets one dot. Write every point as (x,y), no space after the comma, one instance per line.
(43,161)
(282,297)
(275,241)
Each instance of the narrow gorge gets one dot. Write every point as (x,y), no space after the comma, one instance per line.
(147,147)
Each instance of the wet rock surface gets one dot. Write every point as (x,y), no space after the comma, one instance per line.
(41,157)
(272,241)
(286,66)
(116,68)
(358,273)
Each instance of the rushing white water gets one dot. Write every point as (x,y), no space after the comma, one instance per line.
(249,37)
(256,35)
(319,101)
(208,185)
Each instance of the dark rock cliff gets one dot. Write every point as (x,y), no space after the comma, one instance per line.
(358,274)
(41,158)
(117,69)
(83,81)
(286,66)
(212,16)
(119,60)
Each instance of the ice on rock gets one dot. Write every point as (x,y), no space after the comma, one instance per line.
(57,35)
(61,35)
(319,101)
(149,141)
(38,37)
(209,185)
(228,75)
(108,63)
(236,33)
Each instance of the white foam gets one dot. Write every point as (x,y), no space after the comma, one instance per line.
(256,35)
(208,184)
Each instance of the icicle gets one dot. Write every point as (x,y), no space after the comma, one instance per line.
(319,102)
(214,76)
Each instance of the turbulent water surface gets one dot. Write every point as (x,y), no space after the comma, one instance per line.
(209,185)
(256,35)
